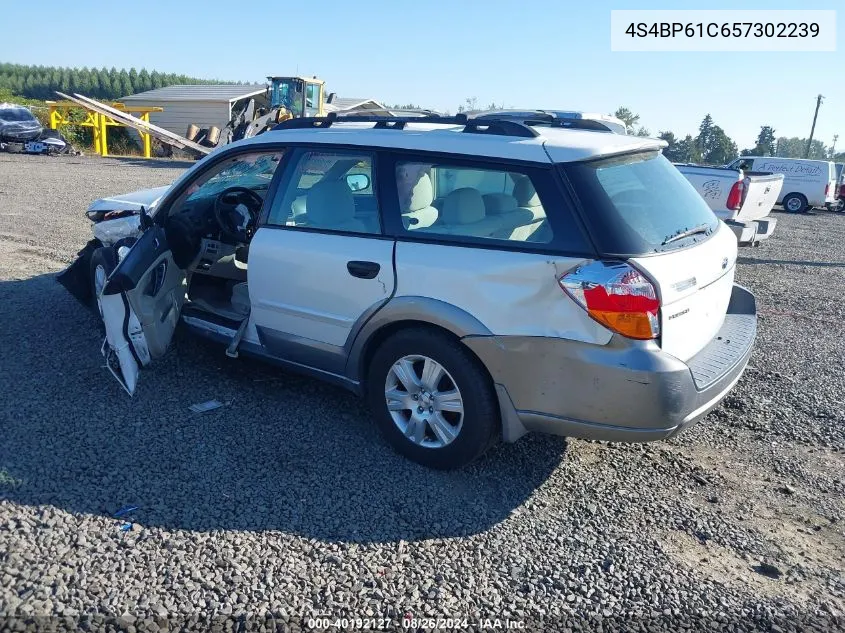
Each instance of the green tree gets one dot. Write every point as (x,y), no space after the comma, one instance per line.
(643,131)
(714,146)
(765,145)
(144,82)
(628,118)
(104,84)
(687,150)
(766,141)
(705,134)
(125,84)
(671,149)
(794,148)
(41,82)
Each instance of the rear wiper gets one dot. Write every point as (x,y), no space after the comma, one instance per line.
(702,228)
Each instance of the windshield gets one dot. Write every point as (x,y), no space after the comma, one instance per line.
(287,93)
(253,171)
(16,114)
(639,203)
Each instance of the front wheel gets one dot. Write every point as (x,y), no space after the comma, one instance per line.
(795,203)
(103,262)
(432,399)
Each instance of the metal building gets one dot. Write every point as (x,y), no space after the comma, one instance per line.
(203,106)
(211,105)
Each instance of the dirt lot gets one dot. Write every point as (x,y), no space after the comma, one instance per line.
(286,503)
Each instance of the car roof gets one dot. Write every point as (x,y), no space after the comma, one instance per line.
(802,160)
(559,145)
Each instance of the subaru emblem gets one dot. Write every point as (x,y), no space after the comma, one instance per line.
(724,263)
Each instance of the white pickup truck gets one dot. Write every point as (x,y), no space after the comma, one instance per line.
(742,199)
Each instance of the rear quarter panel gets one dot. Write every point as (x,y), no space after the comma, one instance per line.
(511,293)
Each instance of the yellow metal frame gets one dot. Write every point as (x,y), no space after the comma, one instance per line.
(101,123)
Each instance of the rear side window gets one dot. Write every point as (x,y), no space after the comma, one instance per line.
(488,204)
(639,203)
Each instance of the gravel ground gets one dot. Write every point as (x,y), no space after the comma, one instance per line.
(286,503)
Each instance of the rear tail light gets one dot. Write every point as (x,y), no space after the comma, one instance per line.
(616,295)
(826,189)
(735,196)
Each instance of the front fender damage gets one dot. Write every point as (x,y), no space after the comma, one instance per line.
(76,277)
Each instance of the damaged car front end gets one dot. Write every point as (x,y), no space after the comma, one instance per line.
(116,226)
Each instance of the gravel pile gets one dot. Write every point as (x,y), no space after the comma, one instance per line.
(285,504)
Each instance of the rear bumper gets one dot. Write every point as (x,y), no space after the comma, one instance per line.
(626,391)
(752,231)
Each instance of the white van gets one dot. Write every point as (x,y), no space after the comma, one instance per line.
(806,183)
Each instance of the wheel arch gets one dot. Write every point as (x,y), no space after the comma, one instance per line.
(407,312)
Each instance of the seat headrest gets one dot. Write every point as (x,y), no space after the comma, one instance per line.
(525,194)
(463,206)
(330,203)
(422,195)
(499,203)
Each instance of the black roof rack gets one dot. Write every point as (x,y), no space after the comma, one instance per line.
(543,117)
(501,127)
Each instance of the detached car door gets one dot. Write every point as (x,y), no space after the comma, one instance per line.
(142,299)
(141,304)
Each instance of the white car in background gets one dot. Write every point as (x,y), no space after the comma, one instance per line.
(472,279)
(806,183)
(743,200)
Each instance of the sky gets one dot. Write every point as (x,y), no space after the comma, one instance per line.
(546,54)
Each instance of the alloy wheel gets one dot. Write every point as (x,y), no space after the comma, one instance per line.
(424,401)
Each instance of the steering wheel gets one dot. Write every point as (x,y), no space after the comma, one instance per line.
(229,216)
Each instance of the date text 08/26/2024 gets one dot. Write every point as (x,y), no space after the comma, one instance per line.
(411,623)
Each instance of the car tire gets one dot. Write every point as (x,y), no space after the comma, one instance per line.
(422,425)
(795,203)
(103,262)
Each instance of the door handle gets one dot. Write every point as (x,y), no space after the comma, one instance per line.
(363,270)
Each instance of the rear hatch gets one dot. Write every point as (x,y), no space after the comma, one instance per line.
(639,208)
(761,194)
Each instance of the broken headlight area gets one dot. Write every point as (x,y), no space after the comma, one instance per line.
(96,215)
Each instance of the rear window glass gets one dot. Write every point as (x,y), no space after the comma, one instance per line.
(639,203)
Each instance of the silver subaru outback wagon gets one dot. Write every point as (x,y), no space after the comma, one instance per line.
(472,279)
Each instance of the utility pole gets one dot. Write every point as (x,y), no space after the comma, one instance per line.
(833,146)
(813,129)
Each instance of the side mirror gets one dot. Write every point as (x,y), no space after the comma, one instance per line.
(145,220)
(358,182)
